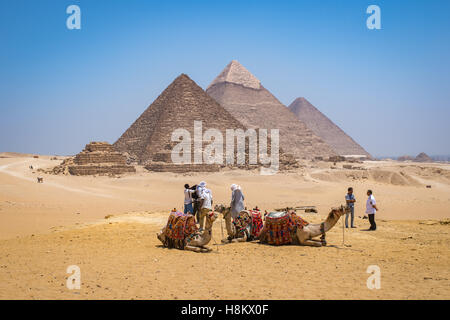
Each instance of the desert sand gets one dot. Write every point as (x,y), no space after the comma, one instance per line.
(46,227)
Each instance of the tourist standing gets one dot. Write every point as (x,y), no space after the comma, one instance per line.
(198,199)
(188,199)
(371,209)
(207,202)
(350,199)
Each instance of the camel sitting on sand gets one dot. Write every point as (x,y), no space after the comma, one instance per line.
(305,235)
(248,225)
(225,211)
(198,240)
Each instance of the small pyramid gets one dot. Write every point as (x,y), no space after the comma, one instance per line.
(243,95)
(323,127)
(423,157)
(405,158)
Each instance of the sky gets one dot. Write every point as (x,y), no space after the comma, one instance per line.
(389,89)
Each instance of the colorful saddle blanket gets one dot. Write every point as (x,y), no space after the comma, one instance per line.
(242,223)
(179,227)
(248,222)
(257,223)
(279,225)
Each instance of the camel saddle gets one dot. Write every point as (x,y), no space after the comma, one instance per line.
(249,223)
(180,226)
(257,223)
(280,225)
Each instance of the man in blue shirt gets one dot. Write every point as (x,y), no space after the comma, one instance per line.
(350,199)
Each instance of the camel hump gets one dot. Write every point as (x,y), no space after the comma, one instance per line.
(179,227)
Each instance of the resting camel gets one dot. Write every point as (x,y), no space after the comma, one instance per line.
(200,239)
(304,236)
(236,236)
(225,211)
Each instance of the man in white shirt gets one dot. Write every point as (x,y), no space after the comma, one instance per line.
(198,199)
(371,209)
(206,205)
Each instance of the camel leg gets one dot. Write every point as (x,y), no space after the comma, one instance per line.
(243,239)
(160,236)
(197,249)
(311,243)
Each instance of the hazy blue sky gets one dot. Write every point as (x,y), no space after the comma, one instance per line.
(59,89)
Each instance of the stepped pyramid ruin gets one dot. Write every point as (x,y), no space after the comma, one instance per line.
(149,138)
(97,158)
(242,94)
(323,127)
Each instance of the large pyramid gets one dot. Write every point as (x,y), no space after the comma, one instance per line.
(242,94)
(323,127)
(149,138)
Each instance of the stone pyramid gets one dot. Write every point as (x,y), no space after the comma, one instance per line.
(423,157)
(242,94)
(323,127)
(148,140)
(97,158)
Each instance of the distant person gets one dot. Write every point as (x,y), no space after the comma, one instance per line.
(350,199)
(371,209)
(207,202)
(188,199)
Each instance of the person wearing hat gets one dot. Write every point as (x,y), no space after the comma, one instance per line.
(236,206)
(206,205)
(237,200)
(198,199)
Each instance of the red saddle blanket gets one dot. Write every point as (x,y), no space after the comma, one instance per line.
(248,221)
(279,225)
(257,223)
(179,227)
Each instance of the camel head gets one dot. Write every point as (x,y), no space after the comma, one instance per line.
(221,208)
(212,216)
(338,212)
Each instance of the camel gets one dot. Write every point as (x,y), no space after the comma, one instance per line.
(40,180)
(304,236)
(236,236)
(225,211)
(196,242)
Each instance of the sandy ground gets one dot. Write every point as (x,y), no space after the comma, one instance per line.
(46,227)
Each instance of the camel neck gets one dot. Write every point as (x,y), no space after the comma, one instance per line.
(330,222)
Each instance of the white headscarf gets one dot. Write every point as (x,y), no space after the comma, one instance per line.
(235,187)
(202,184)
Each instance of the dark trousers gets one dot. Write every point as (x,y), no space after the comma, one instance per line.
(197,210)
(373,225)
